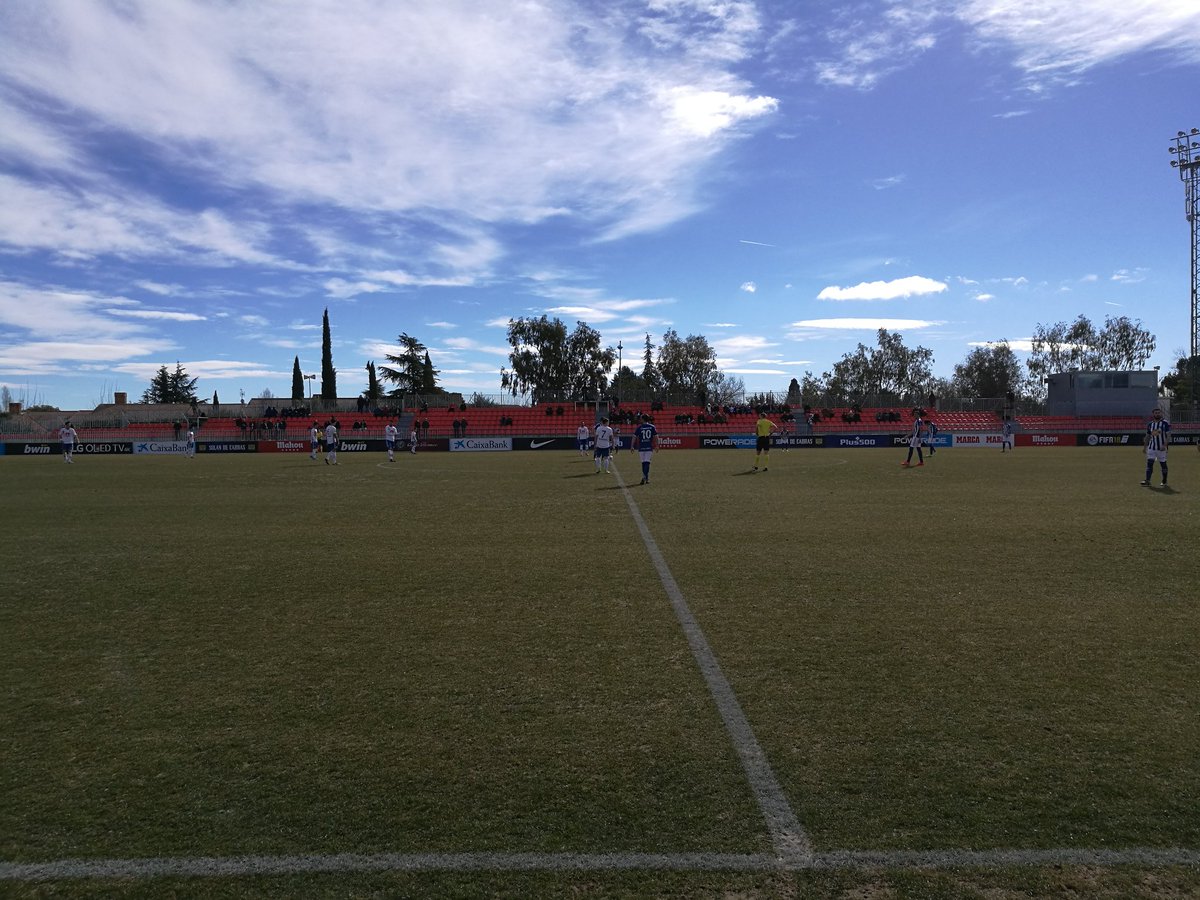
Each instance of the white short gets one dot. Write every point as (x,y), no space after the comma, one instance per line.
(1157,455)
(644,455)
(914,442)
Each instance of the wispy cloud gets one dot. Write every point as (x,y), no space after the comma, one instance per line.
(914,285)
(864,324)
(749,287)
(162,315)
(547,111)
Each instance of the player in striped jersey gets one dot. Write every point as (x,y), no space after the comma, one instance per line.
(1158,438)
(914,442)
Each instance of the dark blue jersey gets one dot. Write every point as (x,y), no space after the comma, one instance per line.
(643,436)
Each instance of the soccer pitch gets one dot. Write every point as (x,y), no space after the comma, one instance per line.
(503,674)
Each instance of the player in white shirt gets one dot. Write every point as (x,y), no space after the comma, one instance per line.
(331,443)
(389,440)
(68,436)
(604,441)
(412,438)
(191,443)
(582,435)
(314,440)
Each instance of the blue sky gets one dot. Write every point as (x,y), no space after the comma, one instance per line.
(197,182)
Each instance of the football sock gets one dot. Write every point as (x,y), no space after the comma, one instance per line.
(646,470)
(1149,469)
(1164,468)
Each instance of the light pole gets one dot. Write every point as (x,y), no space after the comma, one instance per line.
(1186,153)
(619,348)
(310,379)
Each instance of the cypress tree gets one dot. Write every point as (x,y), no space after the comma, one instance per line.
(297,382)
(328,372)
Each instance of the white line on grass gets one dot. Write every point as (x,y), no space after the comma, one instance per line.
(787,834)
(854,860)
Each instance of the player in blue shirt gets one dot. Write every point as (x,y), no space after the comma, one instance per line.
(643,441)
(1158,438)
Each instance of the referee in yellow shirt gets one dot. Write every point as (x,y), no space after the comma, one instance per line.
(762,444)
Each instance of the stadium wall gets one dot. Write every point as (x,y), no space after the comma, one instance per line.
(493,444)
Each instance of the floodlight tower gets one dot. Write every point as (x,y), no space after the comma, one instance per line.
(1186,153)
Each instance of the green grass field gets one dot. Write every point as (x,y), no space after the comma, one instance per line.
(473,657)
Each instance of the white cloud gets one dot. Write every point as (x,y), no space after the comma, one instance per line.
(1129,276)
(159,314)
(207,369)
(549,110)
(1053,37)
(883,184)
(741,344)
(440,325)
(864,324)
(914,285)
(1052,41)
(749,287)
(984,298)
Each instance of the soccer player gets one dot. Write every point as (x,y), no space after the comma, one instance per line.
(1158,438)
(762,441)
(604,441)
(914,443)
(389,440)
(314,440)
(931,431)
(582,435)
(190,451)
(331,443)
(68,436)
(643,439)
(1007,443)
(412,438)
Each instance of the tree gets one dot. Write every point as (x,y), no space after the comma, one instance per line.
(687,367)
(297,382)
(726,390)
(1180,385)
(550,363)
(989,371)
(1122,345)
(328,372)
(794,395)
(171,387)
(373,391)
(407,371)
(650,377)
(429,375)
(215,401)
(885,374)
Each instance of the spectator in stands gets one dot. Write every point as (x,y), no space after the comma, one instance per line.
(425,428)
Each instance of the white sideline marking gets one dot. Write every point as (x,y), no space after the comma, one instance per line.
(237,866)
(787,834)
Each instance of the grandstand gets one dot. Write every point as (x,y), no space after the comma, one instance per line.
(160,422)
